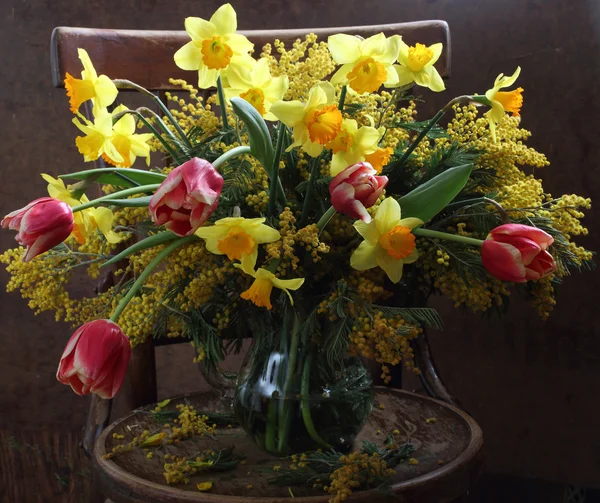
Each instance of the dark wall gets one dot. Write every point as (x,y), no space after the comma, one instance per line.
(531,385)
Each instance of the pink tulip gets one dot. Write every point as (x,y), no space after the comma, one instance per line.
(515,252)
(355,189)
(95,359)
(187,197)
(40,225)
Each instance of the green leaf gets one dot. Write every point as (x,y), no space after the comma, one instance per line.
(149,242)
(428,199)
(261,146)
(121,177)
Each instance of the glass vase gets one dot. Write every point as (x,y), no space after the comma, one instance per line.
(290,397)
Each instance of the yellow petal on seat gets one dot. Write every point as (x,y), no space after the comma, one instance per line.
(188,57)
(364,257)
(199,29)
(344,48)
(224,19)
(392,267)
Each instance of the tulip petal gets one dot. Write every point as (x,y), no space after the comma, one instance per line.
(503,261)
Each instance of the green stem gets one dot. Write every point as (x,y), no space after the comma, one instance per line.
(327,216)
(306,416)
(159,137)
(431,123)
(275,170)
(222,103)
(117,195)
(427,233)
(146,272)
(127,84)
(234,152)
(270,442)
(342,98)
(316,165)
(285,415)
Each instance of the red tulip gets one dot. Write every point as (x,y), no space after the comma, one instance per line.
(41,225)
(515,252)
(355,189)
(95,359)
(187,197)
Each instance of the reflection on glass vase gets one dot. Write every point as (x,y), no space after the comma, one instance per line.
(290,399)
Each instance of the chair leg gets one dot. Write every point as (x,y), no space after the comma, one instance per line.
(430,378)
(141,386)
(98,419)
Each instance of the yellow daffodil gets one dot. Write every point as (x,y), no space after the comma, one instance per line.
(315,123)
(118,145)
(215,46)
(352,144)
(388,241)
(99,89)
(257,86)
(503,101)
(259,292)
(86,221)
(127,142)
(416,65)
(379,158)
(366,63)
(237,237)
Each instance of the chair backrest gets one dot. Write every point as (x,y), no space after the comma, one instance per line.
(146,57)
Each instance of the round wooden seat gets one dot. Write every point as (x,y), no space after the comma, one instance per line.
(447,457)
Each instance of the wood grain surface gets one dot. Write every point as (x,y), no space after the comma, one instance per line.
(448,450)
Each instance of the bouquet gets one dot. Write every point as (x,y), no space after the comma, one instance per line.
(305,205)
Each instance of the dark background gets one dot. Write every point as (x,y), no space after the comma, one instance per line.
(532,386)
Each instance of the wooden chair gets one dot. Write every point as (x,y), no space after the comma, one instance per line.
(146,58)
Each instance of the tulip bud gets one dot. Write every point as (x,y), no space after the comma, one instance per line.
(95,359)
(515,252)
(355,189)
(187,197)
(41,225)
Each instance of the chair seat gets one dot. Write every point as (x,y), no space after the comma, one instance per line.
(448,449)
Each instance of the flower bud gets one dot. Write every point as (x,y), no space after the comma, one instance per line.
(515,252)
(187,197)
(355,189)
(41,225)
(95,359)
